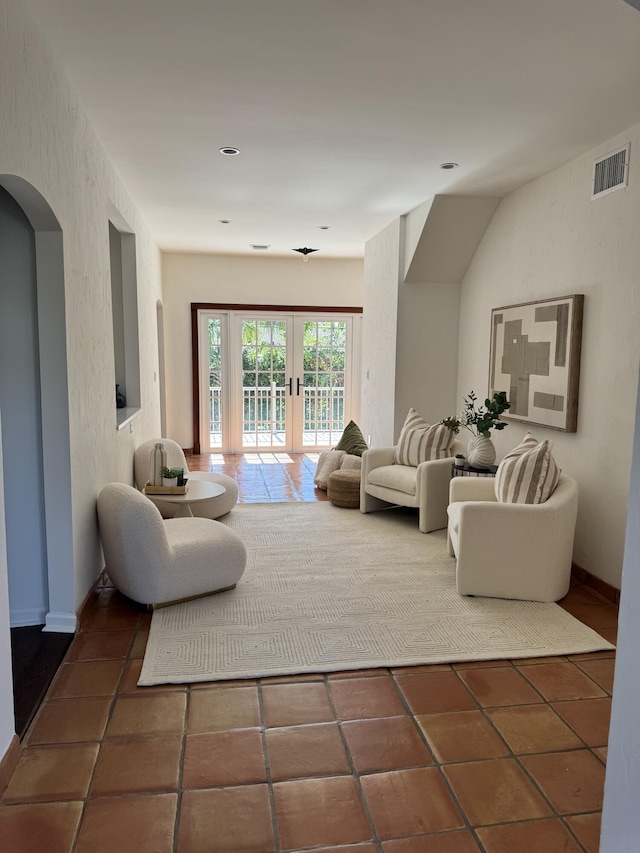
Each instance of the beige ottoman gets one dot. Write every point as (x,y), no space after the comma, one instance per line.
(343,488)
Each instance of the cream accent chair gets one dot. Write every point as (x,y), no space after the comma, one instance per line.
(426,486)
(511,550)
(158,562)
(212,508)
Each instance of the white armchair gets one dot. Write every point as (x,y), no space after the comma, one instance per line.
(511,550)
(212,508)
(158,562)
(425,487)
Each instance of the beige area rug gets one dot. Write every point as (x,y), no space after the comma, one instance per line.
(329,589)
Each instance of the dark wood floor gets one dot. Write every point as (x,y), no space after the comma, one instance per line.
(35,658)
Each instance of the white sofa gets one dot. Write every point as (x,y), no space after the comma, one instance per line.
(158,562)
(511,550)
(212,508)
(425,487)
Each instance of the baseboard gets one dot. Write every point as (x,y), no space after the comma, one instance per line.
(60,623)
(606,590)
(188,451)
(89,598)
(8,763)
(26,616)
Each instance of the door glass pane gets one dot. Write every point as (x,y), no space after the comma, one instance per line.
(324,345)
(264,404)
(215,384)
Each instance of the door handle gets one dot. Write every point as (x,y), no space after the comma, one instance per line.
(290,384)
(297,387)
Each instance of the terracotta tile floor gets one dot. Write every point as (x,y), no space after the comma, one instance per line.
(500,756)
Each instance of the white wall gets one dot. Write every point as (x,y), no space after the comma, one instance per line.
(188,278)
(46,139)
(410,339)
(549,239)
(620,814)
(427,351)
(382,265)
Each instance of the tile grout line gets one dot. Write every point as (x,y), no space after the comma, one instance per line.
(112,705)
(436,763)
(549,704)
(517,758)
(179,785)
(267,766)
(556,814)
(354,772)
(511,755)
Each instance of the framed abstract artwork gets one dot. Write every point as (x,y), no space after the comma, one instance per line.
(535,358)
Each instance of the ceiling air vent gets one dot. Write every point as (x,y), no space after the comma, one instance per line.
(259,247)
(611,172)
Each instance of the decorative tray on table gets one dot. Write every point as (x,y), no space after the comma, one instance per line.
(166,490)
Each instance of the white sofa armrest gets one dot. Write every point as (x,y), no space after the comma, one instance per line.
(376,457)
(472,489)
(432,486)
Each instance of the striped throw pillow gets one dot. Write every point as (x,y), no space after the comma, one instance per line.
(528,474)
(420,442)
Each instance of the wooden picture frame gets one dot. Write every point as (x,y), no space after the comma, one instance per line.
(535,358)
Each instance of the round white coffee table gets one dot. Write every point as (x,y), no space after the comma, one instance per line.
(197,490)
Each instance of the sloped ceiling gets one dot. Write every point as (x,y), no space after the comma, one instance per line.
(442,235)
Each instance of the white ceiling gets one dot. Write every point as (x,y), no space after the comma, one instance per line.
(342,109)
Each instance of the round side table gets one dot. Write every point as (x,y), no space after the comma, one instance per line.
(467,470)
(197,490)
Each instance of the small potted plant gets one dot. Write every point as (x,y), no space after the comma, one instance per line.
(169,477)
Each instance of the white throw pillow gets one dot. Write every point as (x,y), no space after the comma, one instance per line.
(329,461)
(528,474)
(420,442)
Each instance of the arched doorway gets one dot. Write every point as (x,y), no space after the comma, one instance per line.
(34,402)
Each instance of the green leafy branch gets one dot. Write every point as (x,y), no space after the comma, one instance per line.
(482,419)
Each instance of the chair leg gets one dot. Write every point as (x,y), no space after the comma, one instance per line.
(370,504)
(426,521)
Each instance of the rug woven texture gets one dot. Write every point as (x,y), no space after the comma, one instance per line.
(329,589)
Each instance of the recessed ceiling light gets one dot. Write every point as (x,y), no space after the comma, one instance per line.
(260,247)
(229,150)
(224,221)
(448,165)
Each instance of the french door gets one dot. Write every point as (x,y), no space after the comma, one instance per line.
(276,381)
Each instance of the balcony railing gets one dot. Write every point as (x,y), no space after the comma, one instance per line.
(264,411)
